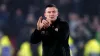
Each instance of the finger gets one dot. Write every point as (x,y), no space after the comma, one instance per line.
(46,25)
(40,19)
(45,22)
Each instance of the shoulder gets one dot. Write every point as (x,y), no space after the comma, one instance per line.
(64,23)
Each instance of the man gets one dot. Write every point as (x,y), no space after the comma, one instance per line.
(52,32)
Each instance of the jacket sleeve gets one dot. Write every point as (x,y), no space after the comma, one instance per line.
(35,37)
(64,34)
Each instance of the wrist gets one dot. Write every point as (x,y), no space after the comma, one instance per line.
(38,28)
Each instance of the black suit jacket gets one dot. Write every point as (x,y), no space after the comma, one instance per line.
(54,38)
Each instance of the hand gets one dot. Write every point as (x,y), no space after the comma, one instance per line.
(39,23)
(46,24)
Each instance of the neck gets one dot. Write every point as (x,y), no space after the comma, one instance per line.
(50,22)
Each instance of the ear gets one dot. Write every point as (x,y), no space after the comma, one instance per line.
(58,14)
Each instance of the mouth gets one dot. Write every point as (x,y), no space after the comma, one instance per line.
(51,17)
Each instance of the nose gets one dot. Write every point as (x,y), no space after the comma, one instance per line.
(51,13)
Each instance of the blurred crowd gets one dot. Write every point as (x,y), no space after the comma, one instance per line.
(18,20)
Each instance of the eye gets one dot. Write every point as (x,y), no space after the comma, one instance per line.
(53,11)
(49,12)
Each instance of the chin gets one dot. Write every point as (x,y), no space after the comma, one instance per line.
(53,19)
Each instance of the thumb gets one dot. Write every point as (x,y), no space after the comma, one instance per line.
(40,19)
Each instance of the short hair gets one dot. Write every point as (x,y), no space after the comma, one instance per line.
(51,5)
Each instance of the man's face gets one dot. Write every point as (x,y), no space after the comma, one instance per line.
(51,13)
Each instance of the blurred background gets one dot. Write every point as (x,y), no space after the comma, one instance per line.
(18,20)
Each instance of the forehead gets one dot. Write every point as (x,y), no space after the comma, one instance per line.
(51,9)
